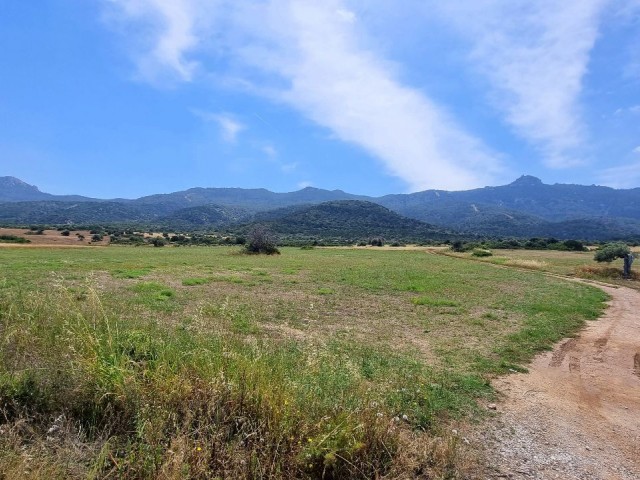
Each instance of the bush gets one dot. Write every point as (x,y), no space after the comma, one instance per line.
(376,242)
(13,239)
(65,233)
(611,251)
(479,252)
(158,242)
(574,245)
(261,240)
(457,246)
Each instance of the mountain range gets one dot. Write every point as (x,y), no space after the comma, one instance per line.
(524,208)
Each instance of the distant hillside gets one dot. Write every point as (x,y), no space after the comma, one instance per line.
(56,212)
(350,219)
(525,208)
(528,208)
(526,195)
(15,190)
(251,200)
(205,217)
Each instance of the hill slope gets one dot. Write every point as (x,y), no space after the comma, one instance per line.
(350,219)
(524,208)
(13,189)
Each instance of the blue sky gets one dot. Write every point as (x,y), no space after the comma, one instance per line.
(126,98)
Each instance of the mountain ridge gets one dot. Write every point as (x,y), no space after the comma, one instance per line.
(524,207)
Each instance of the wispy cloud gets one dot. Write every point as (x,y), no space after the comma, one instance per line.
(229,126)
(170,31)
(272,154)
(624,176)
(535,55)
(270,151)
(314,57)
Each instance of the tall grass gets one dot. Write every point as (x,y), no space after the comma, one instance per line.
(137,400)
(195,363)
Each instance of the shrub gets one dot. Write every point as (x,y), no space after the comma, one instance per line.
(611,251)
(376,242)
(457,246)
(574,245)
(261,240)
(65,233)
(479,252)
(13,239)
(158,242)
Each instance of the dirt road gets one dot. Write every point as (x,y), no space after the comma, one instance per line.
(576,414)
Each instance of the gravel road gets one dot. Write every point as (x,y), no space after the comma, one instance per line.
(576,414)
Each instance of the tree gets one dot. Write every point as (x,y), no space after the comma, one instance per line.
(261,240)
(457,246)
(376,242)
(158,242)
(611,251)
(65,233)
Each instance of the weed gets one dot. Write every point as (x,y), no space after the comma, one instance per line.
(326,291)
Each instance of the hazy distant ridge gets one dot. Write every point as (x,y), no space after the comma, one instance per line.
(527,207)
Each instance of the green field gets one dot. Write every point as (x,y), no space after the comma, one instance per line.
(570,264)
(128,362)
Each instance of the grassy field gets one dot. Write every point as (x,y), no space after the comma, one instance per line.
(571,264)
(127,362)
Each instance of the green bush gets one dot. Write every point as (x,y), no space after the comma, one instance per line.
(611,251)
(13,239)
(479,252)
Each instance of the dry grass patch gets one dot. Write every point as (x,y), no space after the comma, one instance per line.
(529,264)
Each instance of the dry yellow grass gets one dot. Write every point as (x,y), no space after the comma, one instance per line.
(530,264)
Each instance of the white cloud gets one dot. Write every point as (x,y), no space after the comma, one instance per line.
(304,184)
(314,57)
(334,79)
(346,15)
(230,128)
(535,55)
(166,32)
(624,176)
(270,151)
(288,167)
(636,150)
(272,154)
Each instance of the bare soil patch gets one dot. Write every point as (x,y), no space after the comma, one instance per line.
(575,415)
(50,238)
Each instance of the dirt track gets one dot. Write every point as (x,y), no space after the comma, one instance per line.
(576,414)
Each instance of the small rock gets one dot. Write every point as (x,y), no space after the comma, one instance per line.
(492,406)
